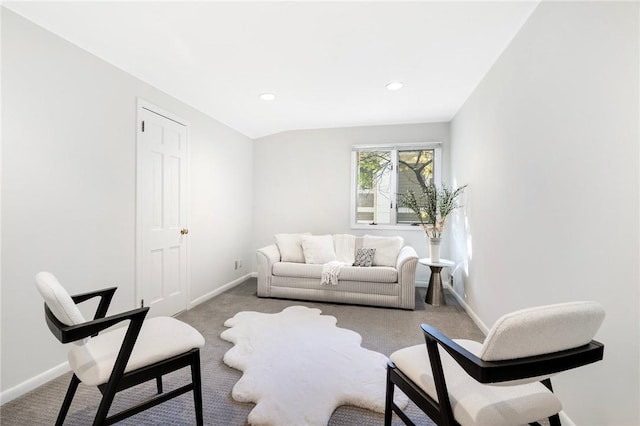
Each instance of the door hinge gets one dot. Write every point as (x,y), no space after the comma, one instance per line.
(143,125)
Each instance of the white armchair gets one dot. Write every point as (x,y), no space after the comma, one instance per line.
(506,379)
(118,359)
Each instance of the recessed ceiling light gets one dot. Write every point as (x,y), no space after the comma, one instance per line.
(267,96)
(394,85)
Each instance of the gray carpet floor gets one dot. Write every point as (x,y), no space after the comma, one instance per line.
(382,330)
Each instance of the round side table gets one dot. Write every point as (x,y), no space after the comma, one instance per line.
(435,294)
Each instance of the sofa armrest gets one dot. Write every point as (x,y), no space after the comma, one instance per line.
(265,258)
(407,254)
(270,253)
(406,265)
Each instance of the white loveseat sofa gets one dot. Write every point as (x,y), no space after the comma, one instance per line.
(284,272)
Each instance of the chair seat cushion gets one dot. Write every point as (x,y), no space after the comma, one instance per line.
(160,338)
(472,402)
(379,274)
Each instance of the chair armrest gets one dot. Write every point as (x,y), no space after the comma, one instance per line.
(468,361)
(71,333)
(105,295)
(515,369)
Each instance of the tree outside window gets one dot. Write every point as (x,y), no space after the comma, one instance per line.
(383,175)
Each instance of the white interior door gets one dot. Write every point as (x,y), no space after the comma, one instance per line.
(162,207)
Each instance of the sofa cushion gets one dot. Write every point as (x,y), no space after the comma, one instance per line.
(387,249)
(318,249)
(380,274)
(301,270)
(358,292)
(290,246)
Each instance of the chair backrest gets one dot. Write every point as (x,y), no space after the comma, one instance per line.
(58,300)
(542,330)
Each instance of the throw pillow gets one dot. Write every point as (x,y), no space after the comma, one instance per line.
(364,257)
(318,249)
(290,246)
(387,249)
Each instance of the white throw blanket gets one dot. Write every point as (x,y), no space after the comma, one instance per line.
(345,245)
(330,272)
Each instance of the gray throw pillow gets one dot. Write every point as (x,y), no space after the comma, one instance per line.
(364,257)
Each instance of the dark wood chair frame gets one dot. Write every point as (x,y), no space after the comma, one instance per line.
(482,371)
(118,380)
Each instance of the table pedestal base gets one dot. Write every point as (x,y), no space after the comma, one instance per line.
(435,293)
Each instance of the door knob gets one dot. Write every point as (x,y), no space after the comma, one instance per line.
(184,231)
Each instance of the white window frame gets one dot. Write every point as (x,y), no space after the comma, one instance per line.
(394,148)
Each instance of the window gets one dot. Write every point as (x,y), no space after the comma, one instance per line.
(381,174)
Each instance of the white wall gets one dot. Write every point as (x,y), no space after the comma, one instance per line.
(303,179)
(1,9)
(68,188)
(549,145)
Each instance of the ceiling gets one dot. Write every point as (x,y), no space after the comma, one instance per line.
(326,62)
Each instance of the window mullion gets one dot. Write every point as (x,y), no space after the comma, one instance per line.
(437,173)
(394,185)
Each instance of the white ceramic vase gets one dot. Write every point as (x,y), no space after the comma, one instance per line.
(434,249)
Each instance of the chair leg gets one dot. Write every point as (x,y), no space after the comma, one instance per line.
(388,410)
(555,419)
(159,384)
(71,391)
(197,386)
(103,409)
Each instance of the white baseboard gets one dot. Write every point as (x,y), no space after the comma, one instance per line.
(422,283)
(34,382)
(565,420)
(219,290)
(474,317)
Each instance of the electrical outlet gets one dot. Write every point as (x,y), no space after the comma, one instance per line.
(235,266)
(239,263)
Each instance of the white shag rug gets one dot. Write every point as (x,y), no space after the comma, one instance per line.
(298,367)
